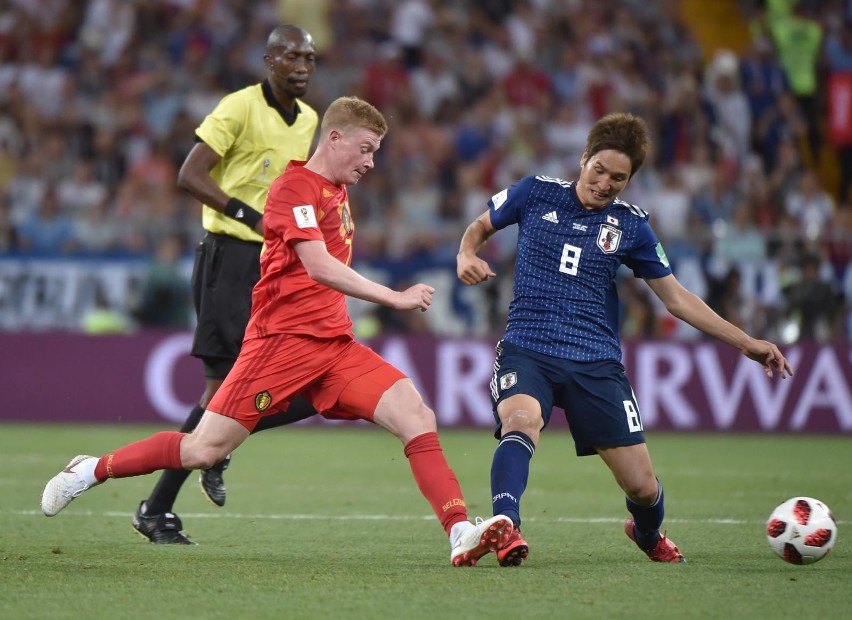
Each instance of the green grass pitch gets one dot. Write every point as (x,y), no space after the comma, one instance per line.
(328,523)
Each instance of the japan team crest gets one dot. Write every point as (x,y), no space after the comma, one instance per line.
(508,380)
(608,238)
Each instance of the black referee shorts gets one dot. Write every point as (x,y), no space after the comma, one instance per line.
(225,271)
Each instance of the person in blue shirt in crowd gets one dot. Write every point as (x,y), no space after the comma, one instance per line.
(562,347)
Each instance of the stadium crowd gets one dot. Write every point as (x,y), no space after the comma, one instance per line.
(748,187)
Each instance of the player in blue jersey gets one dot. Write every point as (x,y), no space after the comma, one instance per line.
(561,346)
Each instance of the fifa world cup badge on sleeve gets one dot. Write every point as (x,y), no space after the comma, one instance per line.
(305,217)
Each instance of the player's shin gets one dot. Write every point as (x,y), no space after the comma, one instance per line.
(648,519)
(435,479)
(159,451)
(510,471)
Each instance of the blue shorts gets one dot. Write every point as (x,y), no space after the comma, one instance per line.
(596,397)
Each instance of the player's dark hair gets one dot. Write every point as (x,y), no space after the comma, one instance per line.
(352,112)
(620,132)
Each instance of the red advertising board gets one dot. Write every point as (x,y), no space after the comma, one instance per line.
(681,386)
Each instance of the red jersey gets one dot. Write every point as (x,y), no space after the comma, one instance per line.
(301,206)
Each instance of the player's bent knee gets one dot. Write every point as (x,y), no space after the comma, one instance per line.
(641,492)
(196,456)
(424,420)
(521,421)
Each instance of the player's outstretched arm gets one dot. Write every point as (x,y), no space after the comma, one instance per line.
(327,270)
(469,267)
(690,308)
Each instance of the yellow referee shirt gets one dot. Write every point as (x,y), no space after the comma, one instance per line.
(255,143)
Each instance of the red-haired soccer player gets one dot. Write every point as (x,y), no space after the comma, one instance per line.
(299,341)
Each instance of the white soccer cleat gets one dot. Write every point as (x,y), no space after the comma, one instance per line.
(471,542)
(65,486)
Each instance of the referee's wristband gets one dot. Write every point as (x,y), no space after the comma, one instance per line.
(240,211)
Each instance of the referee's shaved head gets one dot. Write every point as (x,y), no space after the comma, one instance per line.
(286,33)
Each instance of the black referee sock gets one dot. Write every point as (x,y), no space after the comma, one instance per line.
(162,498)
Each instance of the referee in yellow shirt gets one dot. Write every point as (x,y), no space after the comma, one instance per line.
(241,147)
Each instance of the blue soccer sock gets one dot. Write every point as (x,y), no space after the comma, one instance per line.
(648,519)
(510,470)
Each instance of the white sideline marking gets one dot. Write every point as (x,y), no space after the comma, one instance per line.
(320,517)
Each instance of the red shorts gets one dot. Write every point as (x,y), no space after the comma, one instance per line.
(341,378)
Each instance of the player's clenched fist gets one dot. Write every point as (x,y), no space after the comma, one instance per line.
(472,269)
(417,296)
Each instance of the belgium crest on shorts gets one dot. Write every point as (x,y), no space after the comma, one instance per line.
(262,401)
(608,238)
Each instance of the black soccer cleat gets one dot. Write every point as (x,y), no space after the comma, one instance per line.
(164,529)
(212,483)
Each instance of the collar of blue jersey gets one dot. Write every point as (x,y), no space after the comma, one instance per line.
(270,99)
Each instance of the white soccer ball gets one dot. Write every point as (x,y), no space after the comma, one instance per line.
(802,530)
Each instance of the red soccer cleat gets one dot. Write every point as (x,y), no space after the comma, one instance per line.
(514,552)
(665,551)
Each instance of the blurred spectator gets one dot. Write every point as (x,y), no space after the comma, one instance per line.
(385,77)
(762,77)
(164,299)
(726,299)
(567,79)
(108,28)
(838,58)
(81,192)
(638,314)
(103,319)
(810,205)
(525,85)
(47,231)
(686,122)
(313,16)
(432,81)
(409,26)
(780,126)
(798,39)
(333,76)
(732,110)
(8,234)
(718,201)
(740,242)
(670,202)
(812,302)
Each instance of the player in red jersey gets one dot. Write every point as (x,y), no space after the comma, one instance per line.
(299,341)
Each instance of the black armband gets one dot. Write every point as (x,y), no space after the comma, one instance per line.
(240,211)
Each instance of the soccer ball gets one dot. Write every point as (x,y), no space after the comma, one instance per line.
(802,530)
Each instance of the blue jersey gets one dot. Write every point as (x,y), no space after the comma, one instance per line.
(565,301)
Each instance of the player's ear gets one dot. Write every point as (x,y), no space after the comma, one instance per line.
(583,158)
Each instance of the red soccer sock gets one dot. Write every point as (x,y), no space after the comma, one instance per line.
(436,480)
(159,451)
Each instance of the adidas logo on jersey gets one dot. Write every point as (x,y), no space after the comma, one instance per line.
(551,217)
